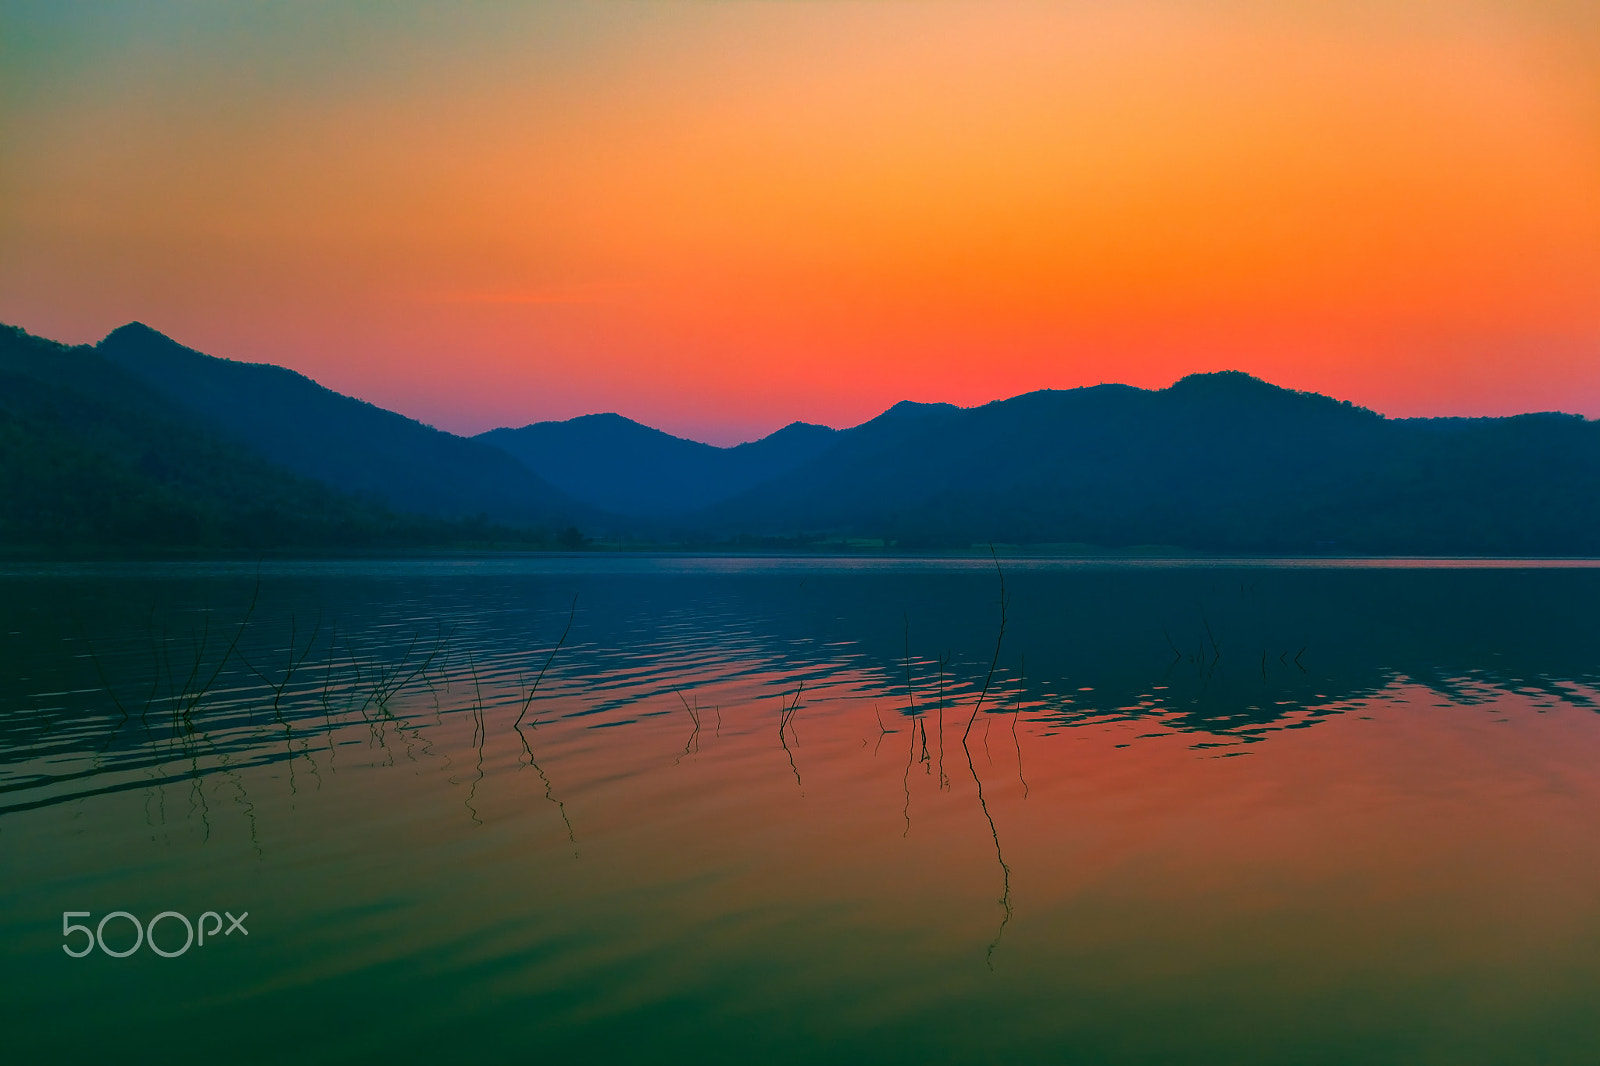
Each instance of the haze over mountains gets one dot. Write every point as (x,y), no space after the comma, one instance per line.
(1216,462)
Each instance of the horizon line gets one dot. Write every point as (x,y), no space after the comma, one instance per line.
(139,324)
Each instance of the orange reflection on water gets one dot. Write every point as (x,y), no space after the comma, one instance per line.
(1404,845)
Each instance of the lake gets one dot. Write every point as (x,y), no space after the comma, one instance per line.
(619,808)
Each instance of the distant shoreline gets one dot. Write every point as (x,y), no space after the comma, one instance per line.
(613,560)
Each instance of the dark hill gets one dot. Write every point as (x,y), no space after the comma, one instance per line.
(618,465)
(1214,462)
(141,440)
(347,443)
(91,457)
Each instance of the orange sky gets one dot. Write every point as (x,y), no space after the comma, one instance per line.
(717,217)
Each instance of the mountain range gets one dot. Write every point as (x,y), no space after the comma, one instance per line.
(1216,462)
(347,443)
(89,455)
(630,469)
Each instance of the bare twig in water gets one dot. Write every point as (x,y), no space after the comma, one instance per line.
(190,700)
(911,697)
(944,779)
(478,736)
(694,716)
(785,714)
(905,779)
(998,640)
(549,789)
(1216,649)
(983,804)
(1005,870)
(883,730)
(1016,709)
(527,746)
(390,682)
(327,684)
(293,664)
(528,699)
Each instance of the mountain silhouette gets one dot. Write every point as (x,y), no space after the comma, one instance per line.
(616,464)
(141,435)
(347,443)
(91,457)
(1218,461)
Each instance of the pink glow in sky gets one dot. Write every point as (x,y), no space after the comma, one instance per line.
(719,218)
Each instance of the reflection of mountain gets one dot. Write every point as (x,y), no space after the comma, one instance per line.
(616,464)
(1221,641)
(1205,650)
(351,445)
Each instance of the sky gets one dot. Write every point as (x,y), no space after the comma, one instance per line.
(720,216)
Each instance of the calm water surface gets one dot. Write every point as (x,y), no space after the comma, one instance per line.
(709,809)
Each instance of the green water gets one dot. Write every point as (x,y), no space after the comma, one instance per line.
(804,810)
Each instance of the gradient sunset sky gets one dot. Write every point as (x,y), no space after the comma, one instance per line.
(720,216)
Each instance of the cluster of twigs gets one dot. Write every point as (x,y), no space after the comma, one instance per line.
(352,683)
